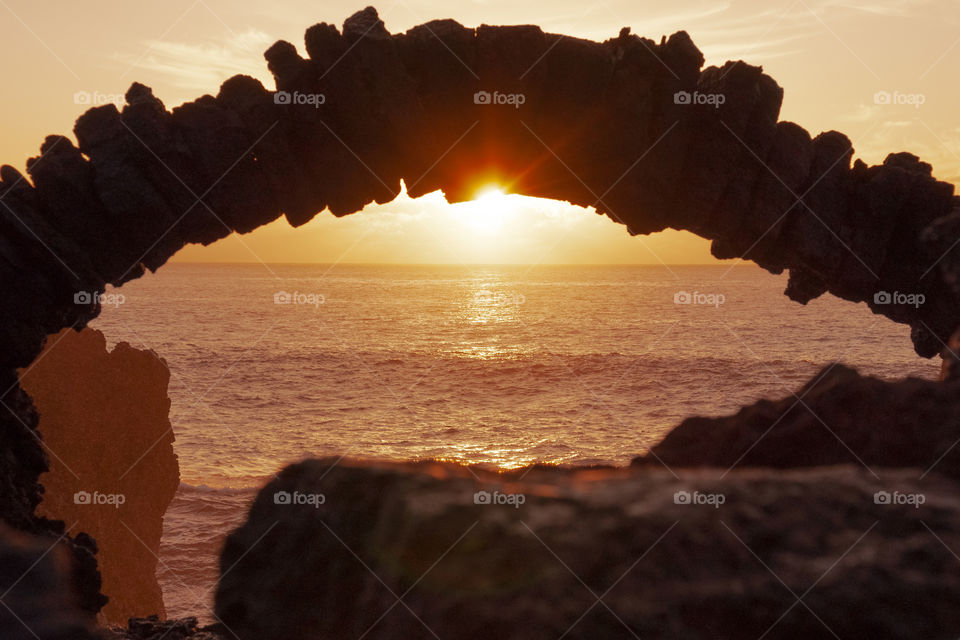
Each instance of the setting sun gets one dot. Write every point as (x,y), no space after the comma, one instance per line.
(488,212)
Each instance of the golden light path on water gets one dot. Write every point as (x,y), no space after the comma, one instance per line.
(493,308)
(494,458)
(493,311)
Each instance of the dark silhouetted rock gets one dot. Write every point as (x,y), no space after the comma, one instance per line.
(839,417)
(633,127)
(23,462)
(36,590)
(705,556)
(152,628)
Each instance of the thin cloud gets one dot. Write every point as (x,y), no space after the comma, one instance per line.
(887,8)
(202,66)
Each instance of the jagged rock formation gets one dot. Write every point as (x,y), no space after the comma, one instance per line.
(23,461)
(838,417)
(950,367)
(152,628)
(663,570)
(104,420)
(37,592)
(614,124)
(619,125)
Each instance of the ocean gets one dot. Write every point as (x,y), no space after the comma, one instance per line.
(496,365)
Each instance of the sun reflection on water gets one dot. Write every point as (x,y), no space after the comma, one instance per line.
(491,316)
(496,458)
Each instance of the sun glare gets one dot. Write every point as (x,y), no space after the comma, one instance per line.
(488,212)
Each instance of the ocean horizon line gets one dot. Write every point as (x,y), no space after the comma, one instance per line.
(725,264)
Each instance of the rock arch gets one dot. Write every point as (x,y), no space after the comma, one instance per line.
(636,128)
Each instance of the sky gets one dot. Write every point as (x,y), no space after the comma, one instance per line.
(831,56)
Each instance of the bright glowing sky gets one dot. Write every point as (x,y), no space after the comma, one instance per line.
(831,56)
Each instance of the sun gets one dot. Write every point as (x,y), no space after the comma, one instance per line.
(489,192)
(488,212)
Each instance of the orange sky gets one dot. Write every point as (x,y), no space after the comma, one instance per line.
(831,56)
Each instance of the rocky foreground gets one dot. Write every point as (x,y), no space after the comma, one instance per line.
(37,590)
(838,417)
(152,628)
(406,551)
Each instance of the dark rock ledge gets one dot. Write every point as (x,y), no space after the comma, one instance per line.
(838,417)
(705,555)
